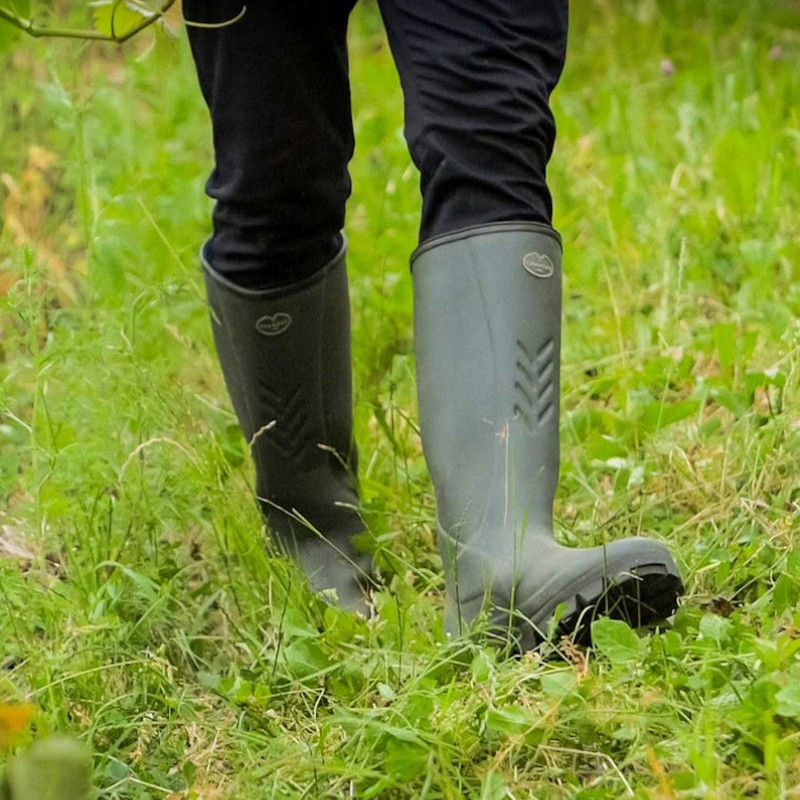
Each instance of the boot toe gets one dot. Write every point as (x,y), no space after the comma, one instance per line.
(341,576)
(634,580)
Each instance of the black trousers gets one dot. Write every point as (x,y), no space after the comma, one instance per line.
(476,76)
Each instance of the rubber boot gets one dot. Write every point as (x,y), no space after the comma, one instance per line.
(285,356)
(487,327)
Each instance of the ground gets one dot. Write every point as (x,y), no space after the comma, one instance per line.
(140,609)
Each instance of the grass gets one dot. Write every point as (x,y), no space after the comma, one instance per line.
(140,610)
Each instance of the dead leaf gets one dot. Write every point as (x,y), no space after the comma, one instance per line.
(27,221)
(13,545)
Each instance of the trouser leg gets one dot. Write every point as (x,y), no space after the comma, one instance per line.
(477,77)
(276,84)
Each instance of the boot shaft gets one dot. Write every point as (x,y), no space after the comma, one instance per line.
(285,356)
(488,337)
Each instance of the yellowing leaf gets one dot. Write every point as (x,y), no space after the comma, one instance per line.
(115,18)
(14,719)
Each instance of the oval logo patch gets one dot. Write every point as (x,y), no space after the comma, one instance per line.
(273,325)
(539,265)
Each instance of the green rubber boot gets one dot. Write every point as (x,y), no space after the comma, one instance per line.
(285,356)
(487,327)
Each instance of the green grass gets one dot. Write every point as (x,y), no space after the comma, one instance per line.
(140,610)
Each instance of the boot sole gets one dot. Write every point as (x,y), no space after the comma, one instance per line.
(640,597)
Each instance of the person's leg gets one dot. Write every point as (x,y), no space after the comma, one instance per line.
(477,76)
(277,87)
(276,84)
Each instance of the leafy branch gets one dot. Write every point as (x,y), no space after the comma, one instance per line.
(31,28)
(107,23)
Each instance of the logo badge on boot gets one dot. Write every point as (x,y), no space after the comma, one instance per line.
(539,265)
(274,325)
